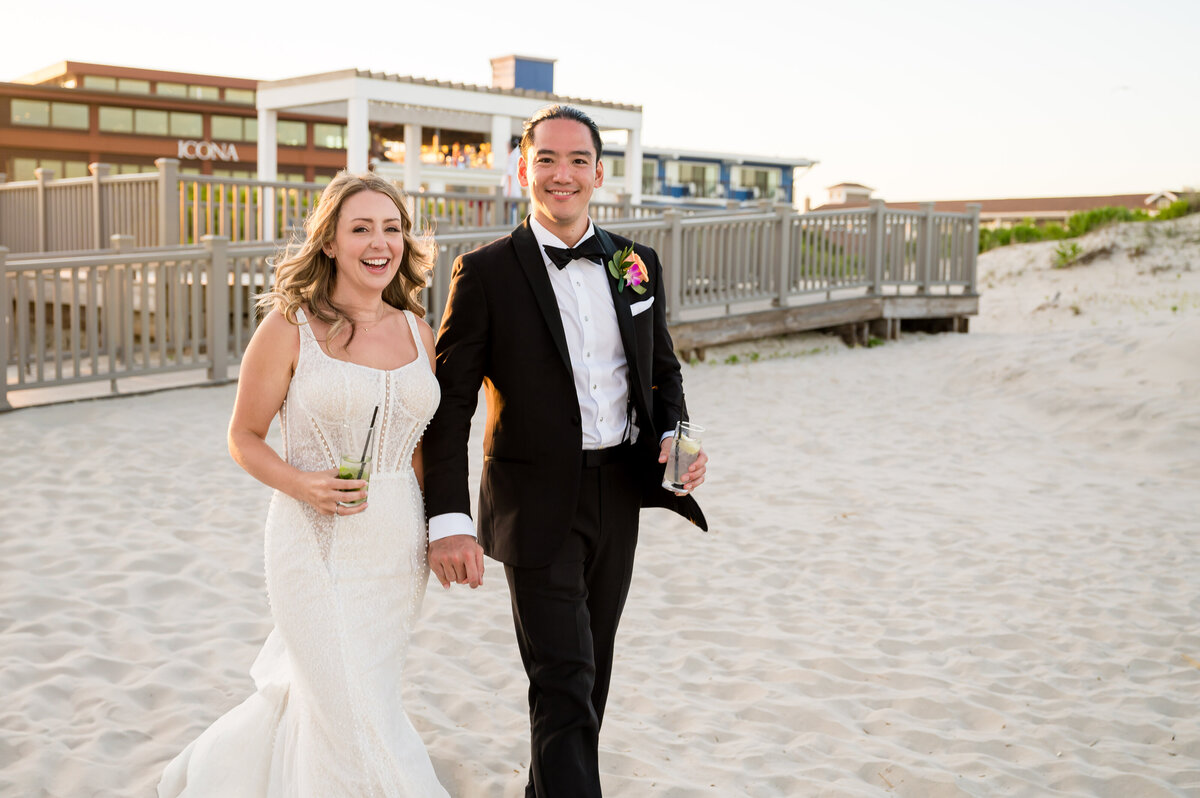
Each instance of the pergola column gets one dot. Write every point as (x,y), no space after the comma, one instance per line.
(268,145)
(412,158)
(633,165)
(268,171)
(358,135)
(501,133)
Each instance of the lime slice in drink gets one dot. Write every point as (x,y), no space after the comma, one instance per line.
(688,445)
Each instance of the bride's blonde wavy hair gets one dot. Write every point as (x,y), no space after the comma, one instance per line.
(304,274)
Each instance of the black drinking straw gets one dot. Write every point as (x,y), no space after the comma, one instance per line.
(362,461)
(678,434)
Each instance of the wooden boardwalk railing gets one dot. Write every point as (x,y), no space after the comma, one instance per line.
(127,312)
(167,208)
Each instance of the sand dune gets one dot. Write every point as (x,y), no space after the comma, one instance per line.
(959,565)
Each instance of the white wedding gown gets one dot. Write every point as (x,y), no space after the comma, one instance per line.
(327,719)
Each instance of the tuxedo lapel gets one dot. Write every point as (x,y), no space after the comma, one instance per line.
(621,305)
(529,255)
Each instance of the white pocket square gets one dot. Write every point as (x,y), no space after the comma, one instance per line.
(638,307)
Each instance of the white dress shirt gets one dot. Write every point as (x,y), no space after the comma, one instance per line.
(598,364)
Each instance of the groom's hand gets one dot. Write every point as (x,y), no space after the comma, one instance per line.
(694,476)
(457,558)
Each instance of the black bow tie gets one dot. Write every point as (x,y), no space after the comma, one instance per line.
(589,249)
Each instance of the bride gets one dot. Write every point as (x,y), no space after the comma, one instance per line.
(342,350)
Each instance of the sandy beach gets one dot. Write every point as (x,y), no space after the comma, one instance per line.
(956,565)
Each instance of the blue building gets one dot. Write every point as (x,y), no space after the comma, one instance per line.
(675,176)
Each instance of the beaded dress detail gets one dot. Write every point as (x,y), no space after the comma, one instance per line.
(328,717)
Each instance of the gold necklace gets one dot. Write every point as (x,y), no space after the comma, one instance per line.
(374,323)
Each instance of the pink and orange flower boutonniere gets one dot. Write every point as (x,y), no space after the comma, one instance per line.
(628,268)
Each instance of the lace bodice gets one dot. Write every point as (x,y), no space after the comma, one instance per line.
(326,392)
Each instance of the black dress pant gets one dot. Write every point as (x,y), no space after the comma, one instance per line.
(566,616)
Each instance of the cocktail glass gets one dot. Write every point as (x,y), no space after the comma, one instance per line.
(357,455)
(685,448)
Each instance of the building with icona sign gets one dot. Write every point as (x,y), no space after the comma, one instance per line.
(72,114)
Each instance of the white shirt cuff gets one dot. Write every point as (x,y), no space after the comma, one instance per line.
(668,434)
(447,524)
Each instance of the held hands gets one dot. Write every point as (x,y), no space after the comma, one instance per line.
(694,476)
(457,558)
(322,490)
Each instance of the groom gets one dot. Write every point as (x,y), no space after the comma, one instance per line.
(583,392)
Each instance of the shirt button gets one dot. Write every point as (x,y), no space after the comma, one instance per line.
(585,318)
(593,387)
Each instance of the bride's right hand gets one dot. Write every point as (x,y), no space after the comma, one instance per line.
(322,490)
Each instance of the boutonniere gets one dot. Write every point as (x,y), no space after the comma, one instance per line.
(629,270)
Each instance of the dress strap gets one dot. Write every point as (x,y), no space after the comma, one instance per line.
(306,332)
(416,334)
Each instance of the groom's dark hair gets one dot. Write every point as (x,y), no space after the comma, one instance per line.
(559,112)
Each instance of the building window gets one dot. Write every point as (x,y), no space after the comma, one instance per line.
(99,82)
(204,92)
(239,96)
(116,120)
(234,128)
(330,136)
(30,112)
(291,134)
(763,183)
(23,168)
(69,115)
(39,113)
(131,86)
(170,89)
(150,123)
(187,125)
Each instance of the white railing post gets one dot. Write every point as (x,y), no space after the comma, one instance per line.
(926,247)
(626,202)
(100,211)
(783,215)
(217,299)
(972,263)
(673,264)
(499,212)
(5,311)
(875,247)
(43,223)
(168,201)
(113,301)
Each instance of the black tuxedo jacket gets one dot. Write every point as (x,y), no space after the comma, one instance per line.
(502,329)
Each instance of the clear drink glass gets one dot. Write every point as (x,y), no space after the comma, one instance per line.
(357,455)
(685,448)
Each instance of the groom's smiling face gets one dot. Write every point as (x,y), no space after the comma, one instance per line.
(561,169)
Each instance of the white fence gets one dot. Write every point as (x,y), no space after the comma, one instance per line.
(137,311)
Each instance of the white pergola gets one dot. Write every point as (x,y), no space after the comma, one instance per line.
(364,97)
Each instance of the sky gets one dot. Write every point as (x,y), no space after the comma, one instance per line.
(920,100)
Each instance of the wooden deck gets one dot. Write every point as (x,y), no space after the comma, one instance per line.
(856,320)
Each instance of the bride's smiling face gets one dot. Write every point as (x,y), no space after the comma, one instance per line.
(368,242)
